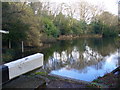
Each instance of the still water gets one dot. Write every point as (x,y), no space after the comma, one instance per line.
(82,59)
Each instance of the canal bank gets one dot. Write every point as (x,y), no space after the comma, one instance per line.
(109,80)
(41,79)
(70,56)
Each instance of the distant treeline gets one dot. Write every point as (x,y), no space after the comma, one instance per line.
(34,22)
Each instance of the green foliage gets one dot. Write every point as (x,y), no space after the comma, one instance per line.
(8,55)
(97,27)
(109,32)
(24,24)
(64,24)
(49,27)
(41,73)
(77,28)
(83,26)
(19,20)
(15,31)
(13,24)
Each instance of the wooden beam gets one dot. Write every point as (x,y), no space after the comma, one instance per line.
(16,68)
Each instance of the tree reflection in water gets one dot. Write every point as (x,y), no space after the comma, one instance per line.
(75,59)
(78,58)
(83,59)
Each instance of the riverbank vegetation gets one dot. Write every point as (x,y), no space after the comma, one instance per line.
(36,23)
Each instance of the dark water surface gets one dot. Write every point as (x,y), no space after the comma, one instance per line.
(82,59)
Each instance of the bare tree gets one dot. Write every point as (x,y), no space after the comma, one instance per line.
(87,12)
(84,10)
(96,11)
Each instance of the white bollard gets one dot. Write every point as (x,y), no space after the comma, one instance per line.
(21,66)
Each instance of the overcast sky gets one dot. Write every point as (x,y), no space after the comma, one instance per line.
(109,5)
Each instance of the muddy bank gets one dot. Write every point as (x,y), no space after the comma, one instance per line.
(71,37)
(112,79)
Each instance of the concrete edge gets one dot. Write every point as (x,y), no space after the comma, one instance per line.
(79,81)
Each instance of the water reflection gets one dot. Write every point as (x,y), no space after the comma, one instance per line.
(82,61)
(90,71)
(74,59)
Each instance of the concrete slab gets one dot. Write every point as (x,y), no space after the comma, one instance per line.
(24,82)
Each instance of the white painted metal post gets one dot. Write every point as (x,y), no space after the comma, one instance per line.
(9,44)
(22,47)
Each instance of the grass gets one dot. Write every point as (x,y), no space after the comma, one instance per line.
(41,73)
(51,78)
